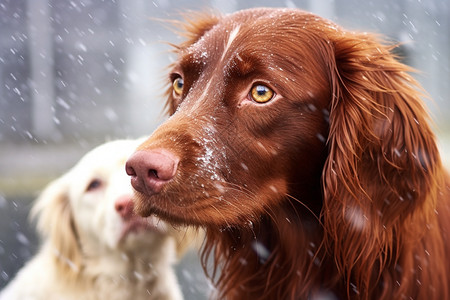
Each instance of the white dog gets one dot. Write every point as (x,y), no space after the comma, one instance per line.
(94,246)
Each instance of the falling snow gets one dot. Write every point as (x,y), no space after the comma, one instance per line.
(261,250)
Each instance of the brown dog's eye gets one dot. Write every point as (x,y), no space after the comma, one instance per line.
(178,84)
(261,93)
(93,185)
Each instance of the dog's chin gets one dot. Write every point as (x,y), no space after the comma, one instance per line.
(193,210)
(147,207)
(170,217)
(143,205)
(173,215)
(138,229)
(143,208)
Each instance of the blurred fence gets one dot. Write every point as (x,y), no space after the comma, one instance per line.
(83,69)
(76,73)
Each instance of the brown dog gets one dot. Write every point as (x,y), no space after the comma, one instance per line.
(305,151)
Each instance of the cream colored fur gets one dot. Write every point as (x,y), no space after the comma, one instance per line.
(85,252)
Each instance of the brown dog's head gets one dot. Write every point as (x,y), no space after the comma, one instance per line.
(265,105)
(249,106)
(279,117)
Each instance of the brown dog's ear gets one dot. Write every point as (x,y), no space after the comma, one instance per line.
(196,24)
(55,224)
(383,171)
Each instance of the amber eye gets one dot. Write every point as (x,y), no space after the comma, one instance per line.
(94,184)
(178,84)
(261,93)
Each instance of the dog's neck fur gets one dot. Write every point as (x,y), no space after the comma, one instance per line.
(136,278)
(270,277)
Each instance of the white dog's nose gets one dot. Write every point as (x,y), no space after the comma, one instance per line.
(124,206)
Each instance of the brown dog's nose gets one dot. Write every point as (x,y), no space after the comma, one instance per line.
(151,169)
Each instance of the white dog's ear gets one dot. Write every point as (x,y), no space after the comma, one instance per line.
(56,226)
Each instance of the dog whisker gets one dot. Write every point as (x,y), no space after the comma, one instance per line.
(307,208)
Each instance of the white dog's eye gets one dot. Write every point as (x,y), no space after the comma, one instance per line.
(94,184)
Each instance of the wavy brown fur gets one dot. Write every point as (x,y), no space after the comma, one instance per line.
(343,193)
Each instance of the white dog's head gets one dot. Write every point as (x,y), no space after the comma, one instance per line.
(89,211)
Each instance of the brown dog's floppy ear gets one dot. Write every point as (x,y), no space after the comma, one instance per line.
(383,169)
(56,226)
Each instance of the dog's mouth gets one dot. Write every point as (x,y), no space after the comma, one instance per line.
(193,204)
(161,207)
(217,204)
(136,225)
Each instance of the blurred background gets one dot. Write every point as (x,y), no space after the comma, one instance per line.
(74,74)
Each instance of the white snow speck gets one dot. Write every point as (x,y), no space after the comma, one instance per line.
(261,250)
(356,217)
(22,238)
